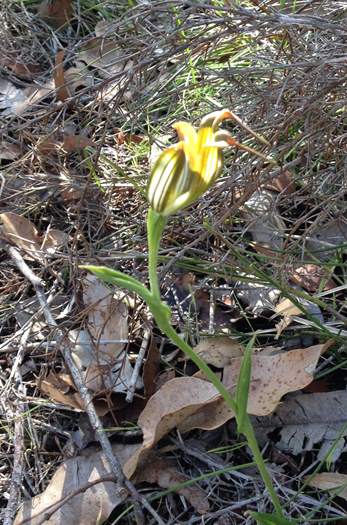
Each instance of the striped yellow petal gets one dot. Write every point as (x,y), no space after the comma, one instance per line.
(169,180)
(189,137)
(209,155)
(185,171)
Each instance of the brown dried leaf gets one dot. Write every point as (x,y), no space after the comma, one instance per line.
(151,369)
(57,387)
(56,13)
(93,505)
(164,473)
(282,325)
(20,69)
(20,231)
(105,55)
(272,377)
(283,183)
(287,308)
(102,364)
(333,482)
(167,408)
(9,151)
(64,143)
(126,138)
(191,402)
(311,277)
(76,142)
(219,351)
(59,77)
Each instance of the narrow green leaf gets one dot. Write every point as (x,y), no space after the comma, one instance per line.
(242,388)
(271,519)
(120,279)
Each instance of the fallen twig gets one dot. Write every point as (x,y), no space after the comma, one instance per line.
(17,470)
(138,364)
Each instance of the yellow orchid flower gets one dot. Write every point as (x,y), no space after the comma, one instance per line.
(185,171)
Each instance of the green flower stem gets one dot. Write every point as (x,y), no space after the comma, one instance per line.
(156,224)
(165,326)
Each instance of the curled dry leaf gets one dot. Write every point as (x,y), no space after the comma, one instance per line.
(282,183)
(164,473)
(333,482)
(93,505)
(104,55)
(26,70)
(58,388)
(59,77)
(191,402)
(312,277)
(65,144)
(56,13)
(219,351)
(167,408)
(69,500)
(61,389)
(76,142)
(111,62)
(20,231)
(288,310)
(104,365)
(272,377)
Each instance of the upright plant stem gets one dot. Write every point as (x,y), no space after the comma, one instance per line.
(248,428)
(155,225)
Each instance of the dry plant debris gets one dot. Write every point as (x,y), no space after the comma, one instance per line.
(306,420)
(88,94)
(331,481)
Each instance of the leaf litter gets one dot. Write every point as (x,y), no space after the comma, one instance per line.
(99,349)
(93,501)
(85,81)
(305,421)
